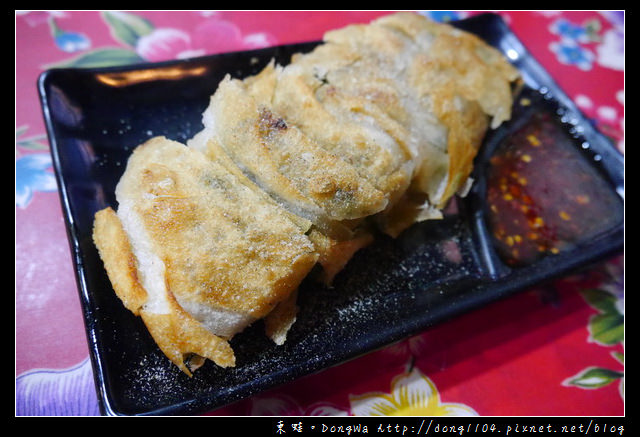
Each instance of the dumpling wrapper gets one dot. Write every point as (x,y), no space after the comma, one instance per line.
(196,253)
(340,124)
(444,85)
(281,160)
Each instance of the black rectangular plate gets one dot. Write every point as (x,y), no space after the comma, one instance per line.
(390,290)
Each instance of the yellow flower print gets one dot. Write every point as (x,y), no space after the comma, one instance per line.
(412,394)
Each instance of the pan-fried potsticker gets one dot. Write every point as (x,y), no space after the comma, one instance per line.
(198,250)
(297,166)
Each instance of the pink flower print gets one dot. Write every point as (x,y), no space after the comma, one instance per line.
(212,36)
(216,36)
(163,44)
(35,18)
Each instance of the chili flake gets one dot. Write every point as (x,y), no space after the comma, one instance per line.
(544,195)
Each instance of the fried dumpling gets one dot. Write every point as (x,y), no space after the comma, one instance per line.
(381,76)
(378,125)
(445,86)
(468,84)
(284,162)
(460,60)
(338,124)
(204,252)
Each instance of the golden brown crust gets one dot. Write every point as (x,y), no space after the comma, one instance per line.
(455,75)
(286,162)
(177,333)
(218,154)
(223,246)
(382,121)
(119,262)
(340,123)
(458,61)
(335,254)
(278,322)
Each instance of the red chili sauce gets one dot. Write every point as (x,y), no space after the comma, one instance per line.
(544,195)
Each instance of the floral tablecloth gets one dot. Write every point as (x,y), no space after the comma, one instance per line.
(553,350)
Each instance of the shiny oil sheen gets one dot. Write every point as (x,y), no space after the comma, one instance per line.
(544,194)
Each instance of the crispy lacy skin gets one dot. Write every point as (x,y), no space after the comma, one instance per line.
(346,126)
(179,336)
(334,255)
(119,262)
(468,82)
(229,256)
(176,333)
(222,245)
(285,161)
(278,322)
(457,77)
(461,60)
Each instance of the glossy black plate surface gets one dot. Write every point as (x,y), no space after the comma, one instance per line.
(390,290)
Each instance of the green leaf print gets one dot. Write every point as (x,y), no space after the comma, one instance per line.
(607,328)
(126,27)
(105,57)
(34,142)
(600,300)
(595,377)
(618,356)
